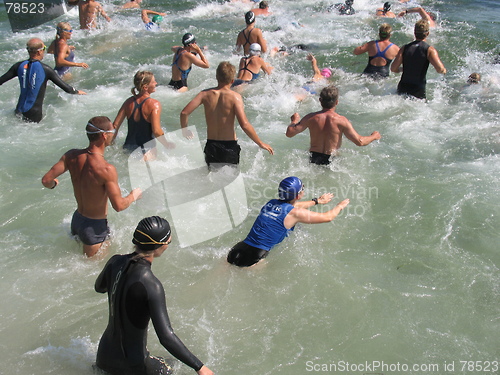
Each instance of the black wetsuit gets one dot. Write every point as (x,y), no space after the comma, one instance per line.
(135,296)
(415,65)
(33,76)
(139,132)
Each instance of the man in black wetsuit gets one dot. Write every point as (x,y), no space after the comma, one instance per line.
(33,76)
(136,296)
(413,60)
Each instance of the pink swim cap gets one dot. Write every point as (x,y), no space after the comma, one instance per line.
(326,72)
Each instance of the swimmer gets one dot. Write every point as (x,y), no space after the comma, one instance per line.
(37,74)
(250,35)
(136,297)
(319,79)
(278,218)
(345,9)
(326,128)
(222,105)
(184,58)
(88,11)
(426,16)
(154,22)
(251,65)
(64,54)
(94,182)
(143,114)
(474,79)
(413,60)
(132,4)
(380,53)
(262,10)
(385,11)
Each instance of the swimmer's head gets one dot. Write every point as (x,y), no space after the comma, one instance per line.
(421,30)
(474,78)
(188,39)
(249,17)
(329,96)
(97,126)
(349,2)
(225,73)
(290,188)
(63,27)
(263,4)
(152,233)
(387,6)
(141,79)
(432,15)
(326,72)
(255,49)
(385,31)
(157,19)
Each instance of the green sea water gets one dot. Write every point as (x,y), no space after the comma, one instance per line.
(404,281)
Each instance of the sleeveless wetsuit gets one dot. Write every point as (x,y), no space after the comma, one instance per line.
(33,76)
(267,231)
(139,132)
(62,70)
(415,65)
(378,71)
(184,73)
(135,297)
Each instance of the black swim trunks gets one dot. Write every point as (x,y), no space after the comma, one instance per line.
(90,231)
(223,152)
(244,255)
(319,158)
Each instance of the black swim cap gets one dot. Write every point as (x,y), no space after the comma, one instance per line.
(151,233)
(249,17)
(387,6)
(188,39)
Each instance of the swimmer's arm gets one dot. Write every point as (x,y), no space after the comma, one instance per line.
(101,283)
(346,127)
(302,215)
(268,69)
(325,198)
(247,127)
(262,42)
(156,128)
(188,109)
(202,62)
(61,61)
(361,49)
(54,77)
(101,11)
(314,64)
(161,322)
(120,116)
(433,57)
(396,66)
(49,180)
(11,73)
(296,125)
(113,191)
(239,43)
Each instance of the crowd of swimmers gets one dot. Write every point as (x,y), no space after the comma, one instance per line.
(135,295)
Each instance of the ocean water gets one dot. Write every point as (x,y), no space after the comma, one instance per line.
(404,281)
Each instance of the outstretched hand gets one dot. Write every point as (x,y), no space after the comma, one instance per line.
(325,198)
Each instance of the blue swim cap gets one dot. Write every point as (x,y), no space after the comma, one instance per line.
(289,188)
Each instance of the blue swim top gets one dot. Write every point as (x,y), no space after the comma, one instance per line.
(289,188)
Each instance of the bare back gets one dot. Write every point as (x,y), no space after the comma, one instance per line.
(325,131)
(220,112)
(88,13)
(88,175)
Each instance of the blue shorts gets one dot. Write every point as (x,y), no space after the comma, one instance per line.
(90,231)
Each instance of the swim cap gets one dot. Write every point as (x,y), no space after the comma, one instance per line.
(349,2)
(188,39)
(326,72)
(151,233)
(255,49)
(289,188)
(387,6)
(157,18)
(249,17)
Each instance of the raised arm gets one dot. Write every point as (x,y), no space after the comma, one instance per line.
(202,61)
(296,125)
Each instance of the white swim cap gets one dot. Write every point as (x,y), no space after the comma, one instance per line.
(255,49)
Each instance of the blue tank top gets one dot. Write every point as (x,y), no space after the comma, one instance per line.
(31,78)
(268,229)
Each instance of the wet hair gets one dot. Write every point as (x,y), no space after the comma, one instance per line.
(263,4)
(329,96)
(384,31)
(141,78)
(474,78)
(225,72)
(61,27)
(421,29)
(99,122)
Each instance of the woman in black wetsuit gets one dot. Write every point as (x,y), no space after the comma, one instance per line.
(135,297)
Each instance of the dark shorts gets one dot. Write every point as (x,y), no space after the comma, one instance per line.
(222,152)
(244,255)
(178,84)
(152,366)
(90,231)
(418,91)
(319,158)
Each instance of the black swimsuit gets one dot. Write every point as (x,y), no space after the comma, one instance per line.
(140,131)
(135,297)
